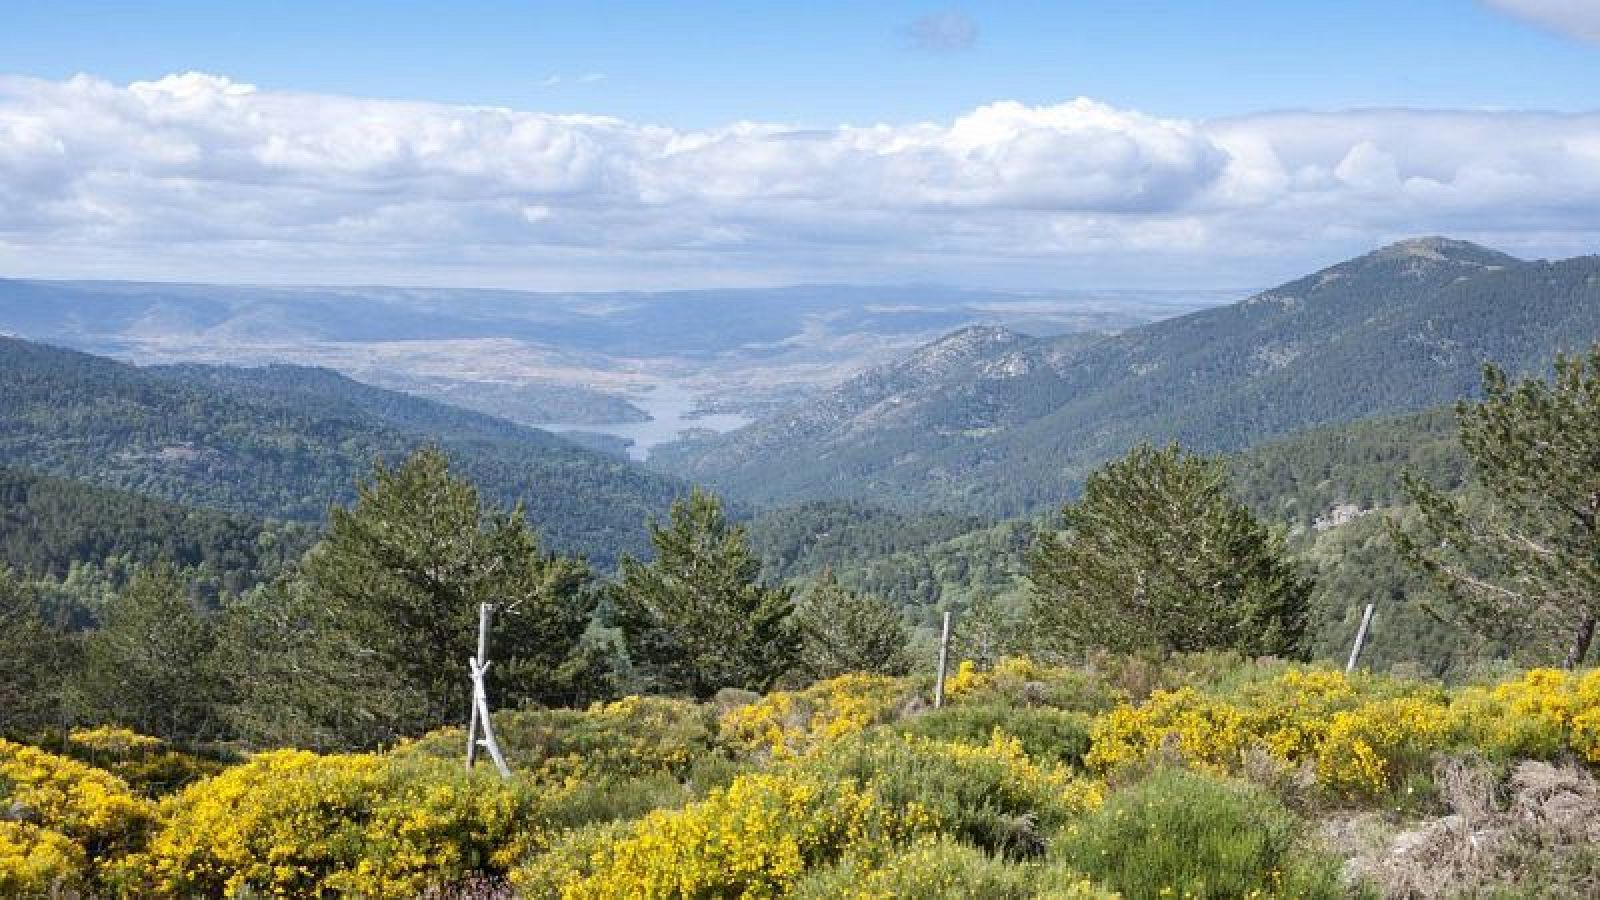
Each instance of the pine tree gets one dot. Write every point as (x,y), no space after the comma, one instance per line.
(388,607)
(985,632)
(147,666)
(1159,555)
(696,619)
(1520,557)
(842,631)
(34,661)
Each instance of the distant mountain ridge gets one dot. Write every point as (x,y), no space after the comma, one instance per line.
(991,422)
(287,441)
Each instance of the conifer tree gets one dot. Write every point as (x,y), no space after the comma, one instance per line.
(696,619)
(147,666)
(1520,558)
(34,661)
(1159,555)
(842,631)
(387,608)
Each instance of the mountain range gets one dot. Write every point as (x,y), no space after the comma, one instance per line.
(991,421)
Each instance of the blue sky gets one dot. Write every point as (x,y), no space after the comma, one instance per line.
(698,64)
(664,144)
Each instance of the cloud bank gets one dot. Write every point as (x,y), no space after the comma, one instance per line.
(198,176)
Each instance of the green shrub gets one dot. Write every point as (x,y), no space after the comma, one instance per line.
(991,795)
(1046,734)
(632,737)
(1183,833)
(935,868)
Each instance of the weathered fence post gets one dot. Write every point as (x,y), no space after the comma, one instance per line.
(481,722)
(944,658)
(1361,640)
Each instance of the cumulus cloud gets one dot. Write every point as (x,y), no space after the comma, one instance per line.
(1575,18)
(200,176)
(946,31)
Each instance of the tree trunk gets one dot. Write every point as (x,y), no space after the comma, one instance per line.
(1580,644)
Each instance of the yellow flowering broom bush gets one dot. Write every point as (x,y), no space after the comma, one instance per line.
(1361,735)
(1544,713)
(754,839)
(632,737)
(292,823)
(146,763)
(91,808)
(785,724)
(36,862)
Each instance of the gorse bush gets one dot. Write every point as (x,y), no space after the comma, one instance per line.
(1046,735)
(847,788)
(754,839)
(146,763)
(790,723)
(1540,716)
(991,795)
(942,868)
(635,736)
(292,823)
(1188,834)
(91,808)
(1362,736)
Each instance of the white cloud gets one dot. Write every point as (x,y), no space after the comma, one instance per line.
(1575,18)
(197,176)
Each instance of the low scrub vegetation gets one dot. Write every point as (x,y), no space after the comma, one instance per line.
(1032,781)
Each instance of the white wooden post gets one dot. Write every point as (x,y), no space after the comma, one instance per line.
(1361,639)
(481,721)
(944,658)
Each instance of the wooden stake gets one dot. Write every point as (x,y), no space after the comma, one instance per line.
(1361,639)
(944,658)
(478,666)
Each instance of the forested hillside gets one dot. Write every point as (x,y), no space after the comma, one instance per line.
(286,442)
(1019,422)
(49,525)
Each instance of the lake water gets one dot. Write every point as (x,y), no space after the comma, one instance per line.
(669,406)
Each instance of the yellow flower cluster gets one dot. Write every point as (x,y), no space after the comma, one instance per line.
(1020,775)
(787,724)
(38,862)
(1010,671)
(113,741)
(1361,737)
(145,763)
(753,839)
(292,823)
(1539,715)
(1365,749)
(92,808)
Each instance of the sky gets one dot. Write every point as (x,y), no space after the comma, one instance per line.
(573,146)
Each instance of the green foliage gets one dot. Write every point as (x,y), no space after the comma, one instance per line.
(696,619)
(1527,562)
(935,868)
(1052,735)
(285,442)
(49,524)
(843,632)
(387,608)
(1192,835)
(148,666)
(33,659)
(1157,554)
